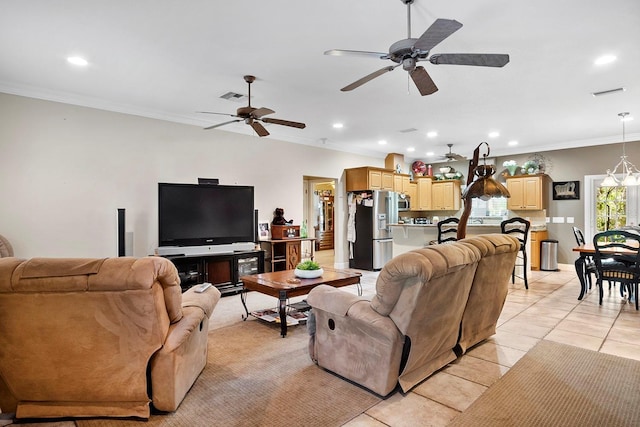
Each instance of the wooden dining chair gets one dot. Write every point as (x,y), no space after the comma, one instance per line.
(621,249)
(518,228)
(448,230)
(589,264)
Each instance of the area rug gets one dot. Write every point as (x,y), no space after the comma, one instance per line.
(561,385)
(256,378)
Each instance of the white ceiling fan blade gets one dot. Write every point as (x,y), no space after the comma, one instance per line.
(344,52)
(222,124)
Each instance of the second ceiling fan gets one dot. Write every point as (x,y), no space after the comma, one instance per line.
(253,116)
(409,51)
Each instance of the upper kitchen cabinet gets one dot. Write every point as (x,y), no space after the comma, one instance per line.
(369,178)
(401,183)
(528,192)
(445,195)
(423,202)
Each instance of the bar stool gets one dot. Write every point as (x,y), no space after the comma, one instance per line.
(448,230)
(518,228)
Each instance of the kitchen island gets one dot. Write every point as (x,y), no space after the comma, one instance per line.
(407,237)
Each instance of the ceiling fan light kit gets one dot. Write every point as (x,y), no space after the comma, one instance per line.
(253,116)
(408,52)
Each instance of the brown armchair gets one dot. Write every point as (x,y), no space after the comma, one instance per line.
(98,337)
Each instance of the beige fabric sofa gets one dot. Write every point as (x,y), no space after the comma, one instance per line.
(98,337)
(412,326)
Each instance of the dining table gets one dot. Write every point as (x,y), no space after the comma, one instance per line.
(585,251)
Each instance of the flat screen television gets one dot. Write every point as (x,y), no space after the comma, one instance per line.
(194,215)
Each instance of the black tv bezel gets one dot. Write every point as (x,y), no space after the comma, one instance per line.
(206,240)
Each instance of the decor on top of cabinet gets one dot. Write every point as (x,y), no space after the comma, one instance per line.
(419,168)
(511,166)
(530,167)
(278,217)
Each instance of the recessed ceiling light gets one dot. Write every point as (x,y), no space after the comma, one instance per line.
(338,125)
(76,60)
(430,154)
(494,134)
(626,118)
(605,59)
(432,134)
(382,142)
(411,149)
(512,143)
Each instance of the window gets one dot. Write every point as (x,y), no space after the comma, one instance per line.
(496,207)
(606,208)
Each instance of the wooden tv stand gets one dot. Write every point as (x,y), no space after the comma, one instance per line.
(222,270)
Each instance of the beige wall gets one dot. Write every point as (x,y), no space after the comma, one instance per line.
(64,170)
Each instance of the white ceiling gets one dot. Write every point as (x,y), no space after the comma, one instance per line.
(169,59)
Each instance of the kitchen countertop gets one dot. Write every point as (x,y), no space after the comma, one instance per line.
(436,225)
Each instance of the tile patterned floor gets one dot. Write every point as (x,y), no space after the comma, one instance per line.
(548,310)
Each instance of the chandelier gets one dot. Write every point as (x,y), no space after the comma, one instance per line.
(627,169)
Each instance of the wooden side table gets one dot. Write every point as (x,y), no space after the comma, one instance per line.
(284,254)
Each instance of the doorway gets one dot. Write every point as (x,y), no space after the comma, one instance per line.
(319,215)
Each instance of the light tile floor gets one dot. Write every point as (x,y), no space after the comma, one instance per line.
(548,310)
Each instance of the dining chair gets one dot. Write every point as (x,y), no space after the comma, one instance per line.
(622,250)
(518,228)
(589,264)
(448,230)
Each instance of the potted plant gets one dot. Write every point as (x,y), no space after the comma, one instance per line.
(308,270)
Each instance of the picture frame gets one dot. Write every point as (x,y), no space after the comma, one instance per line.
(566,190)
(263,231)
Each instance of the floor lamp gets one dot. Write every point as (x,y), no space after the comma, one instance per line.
(483,187)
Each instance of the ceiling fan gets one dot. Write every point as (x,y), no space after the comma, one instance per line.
(409,51)
(449,157)
(253,116)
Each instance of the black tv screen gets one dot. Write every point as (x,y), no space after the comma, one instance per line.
(194,215)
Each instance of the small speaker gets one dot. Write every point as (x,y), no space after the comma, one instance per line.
(255,224)
(208,181)
(121,234)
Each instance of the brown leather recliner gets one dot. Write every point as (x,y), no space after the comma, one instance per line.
(98,337)
(426,301)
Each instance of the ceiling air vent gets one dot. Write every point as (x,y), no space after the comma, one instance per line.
(233,96)
(608,92)
(408,130)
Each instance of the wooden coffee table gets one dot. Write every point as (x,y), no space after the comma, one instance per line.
(284,285)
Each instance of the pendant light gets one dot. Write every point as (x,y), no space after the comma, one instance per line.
(628,169)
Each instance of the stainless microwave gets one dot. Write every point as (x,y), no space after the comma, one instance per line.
(403,203)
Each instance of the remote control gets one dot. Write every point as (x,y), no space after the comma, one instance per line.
(203,287)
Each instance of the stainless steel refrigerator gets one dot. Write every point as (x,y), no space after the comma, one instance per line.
(373,246)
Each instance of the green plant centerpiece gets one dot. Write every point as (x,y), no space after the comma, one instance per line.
(308,270)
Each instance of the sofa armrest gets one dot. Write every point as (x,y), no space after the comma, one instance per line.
(206,300)
(332,300)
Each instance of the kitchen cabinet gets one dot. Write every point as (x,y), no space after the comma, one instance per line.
(528,192)
(401,183)
(424,194)
(413,196)
(445,195)
(369,178)
(536,239)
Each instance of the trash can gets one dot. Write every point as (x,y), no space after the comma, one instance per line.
(549,255)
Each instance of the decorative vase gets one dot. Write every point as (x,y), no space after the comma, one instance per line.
(512,169)
(308,274)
